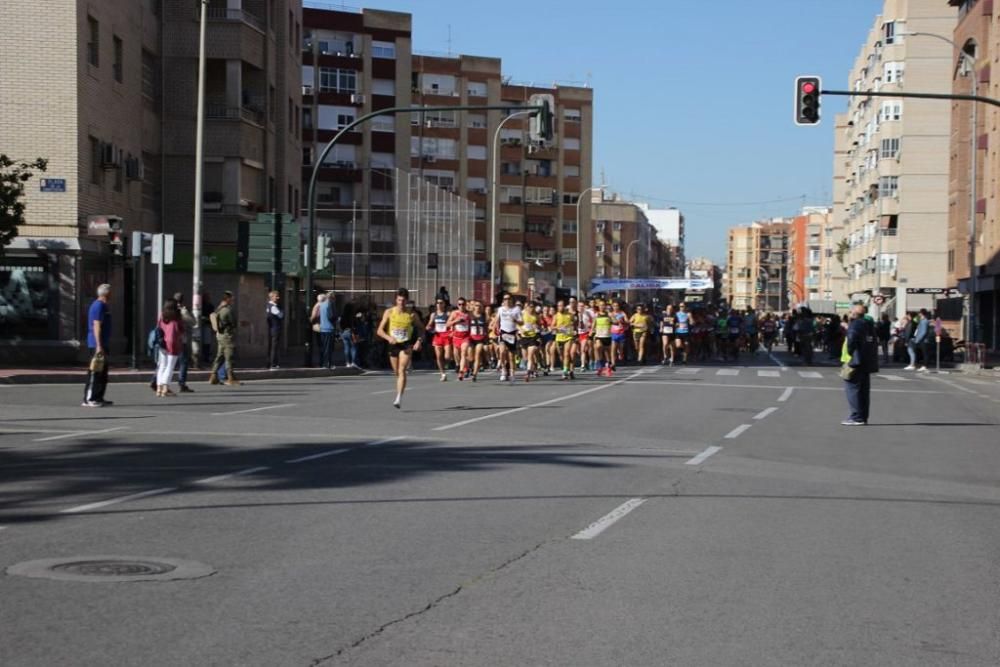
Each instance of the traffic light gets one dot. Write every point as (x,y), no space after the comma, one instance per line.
(116,237)
(541,127)
(324,251)
(807,94)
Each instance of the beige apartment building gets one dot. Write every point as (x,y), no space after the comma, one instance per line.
(625,243)
(976,36)
(891,159)
(109,98)
(757,270)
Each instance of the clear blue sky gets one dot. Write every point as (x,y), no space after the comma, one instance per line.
(693,99)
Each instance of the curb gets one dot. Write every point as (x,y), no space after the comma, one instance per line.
(143,376)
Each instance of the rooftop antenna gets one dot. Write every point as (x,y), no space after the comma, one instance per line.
(590,78)
(449,40)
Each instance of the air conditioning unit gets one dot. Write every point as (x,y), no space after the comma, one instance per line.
(307,89)
(357,98)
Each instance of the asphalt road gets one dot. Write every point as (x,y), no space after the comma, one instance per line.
(709,515)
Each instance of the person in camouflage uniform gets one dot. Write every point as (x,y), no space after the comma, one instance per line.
(225,336)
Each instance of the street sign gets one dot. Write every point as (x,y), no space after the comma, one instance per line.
(98,225)
(52,184)
(163,249)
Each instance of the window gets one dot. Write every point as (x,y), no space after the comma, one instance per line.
(476,184)
(383,124)
(343,120)
(307,156)
(571,197)
(600,225)
(892,34)
(571,144)
(476,152)
(150,81)
(476,120)
(150,182)
(616,247)
(572,115)
(511,194)
(571,170)
(510,168)
(297,116)
(616,227)
(94,41)
(893,71)
(383,160)
(119,178)
(540,195)
(383,87)
(307,118)
(569,227)
(333,80)
(888,186)
(291,27)
(569,254)
(511,223)
(476,89)
(119,65)
(599,248)
(96,172)
(890,148)
(383,50)
(892,110)
(334,117)
(437,84)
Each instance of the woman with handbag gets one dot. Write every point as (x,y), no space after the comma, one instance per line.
(172,327)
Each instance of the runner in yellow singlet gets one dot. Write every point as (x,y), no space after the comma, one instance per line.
(403,331)
(529,329)
(641,323)
(565,326)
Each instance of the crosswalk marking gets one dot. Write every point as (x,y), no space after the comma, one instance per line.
(769,374)
(688,371)
(809,374)
(727,371)
(893,378)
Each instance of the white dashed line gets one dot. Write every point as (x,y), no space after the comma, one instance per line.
(764,413)
(769,374)
(704,455)
(265,407)
(74,434)
(728,371)
(736,432)
(605,522)
(810,374)
(115,501)
(240,473)
(313,457)
(785,395)
(687,371)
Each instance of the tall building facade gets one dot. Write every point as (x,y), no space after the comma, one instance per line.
(757,270)
(670,229)
(625,243)
(891,168)
(974,35)
(111,103)
(812,275)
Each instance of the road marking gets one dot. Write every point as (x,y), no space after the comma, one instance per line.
(809,374)
(115,501)
(893,378)
(698,385)
(728,371)
(764,413)
(312,457)
(981,383)
(953,385)
(266,407)
(558,399)
(240,473)
(785,395)
(687,371)
(606,521)
(384,441)
(384,391)
(704,455)
(73,434)
(769,374)
(777,361)
(736,432)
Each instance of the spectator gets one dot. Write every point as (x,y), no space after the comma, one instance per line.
(884,331)
(314,322)
(98,339)
(327,328)
(275,320)
(919,340)
(224,325)
(860,355)
(348,336)
(172,330)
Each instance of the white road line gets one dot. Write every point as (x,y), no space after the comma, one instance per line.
(736,432)
(73,434)
(785,395)
(266,407)
(891,378)
(115,501)
(953,385)
(704,455)
(605,522)
(384,391)
(567,397)
(240,473)
(981,383)
(764,413)
(721,385)
(810,374)
(769,374)
(777,361)
(728,371)
(312,457)
(687,371)
(384,441)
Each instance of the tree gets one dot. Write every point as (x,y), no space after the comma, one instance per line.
(13,176)
(842,247)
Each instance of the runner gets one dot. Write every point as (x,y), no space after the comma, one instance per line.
(619,327)
(402,330)
(548,337)
(722,336)
(683,333)
(529,340)
(458,324)
(750,330)
(640,322)
(602,342)
(584,323)
(505,323)
(477,337)
(735,333)
(442,336)
(564,323)
(461,305)
(668,327)
(769,328)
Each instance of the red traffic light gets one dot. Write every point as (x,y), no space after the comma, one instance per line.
(808,87)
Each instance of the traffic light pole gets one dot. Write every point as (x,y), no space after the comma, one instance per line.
(314,178)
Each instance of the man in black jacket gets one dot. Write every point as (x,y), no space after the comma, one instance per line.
(862,356)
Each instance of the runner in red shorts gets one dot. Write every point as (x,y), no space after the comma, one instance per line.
(458,324)
(442,337)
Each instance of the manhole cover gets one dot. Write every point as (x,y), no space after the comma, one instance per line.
(111,569)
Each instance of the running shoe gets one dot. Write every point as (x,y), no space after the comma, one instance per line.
(474,376)
(572,375)
(444,377)
(503,377)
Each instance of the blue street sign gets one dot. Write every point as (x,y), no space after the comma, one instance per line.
(53,184)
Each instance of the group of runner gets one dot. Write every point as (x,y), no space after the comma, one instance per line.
(570,337)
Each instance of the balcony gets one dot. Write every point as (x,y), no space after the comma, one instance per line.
(223,112)
(218,14)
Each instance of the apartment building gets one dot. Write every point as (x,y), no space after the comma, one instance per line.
(811,263)
(974,34)
(891,171)
(625,243)
(705,269)
(757,270)
(110,101)
(670,229)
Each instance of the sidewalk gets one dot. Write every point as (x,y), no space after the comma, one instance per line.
(122,373)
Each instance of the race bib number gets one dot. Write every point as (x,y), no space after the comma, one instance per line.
(461,328)
(508,338)
(400,335)
(440,327)
(668,330)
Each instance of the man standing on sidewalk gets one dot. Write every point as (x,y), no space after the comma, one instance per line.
(224,323)
(186,351)
(860,354)
(275,319)
(919,341)
(98,338)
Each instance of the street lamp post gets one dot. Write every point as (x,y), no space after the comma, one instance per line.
(493,200)
(627,272)
(198,158)
(579,232)
(971,64)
